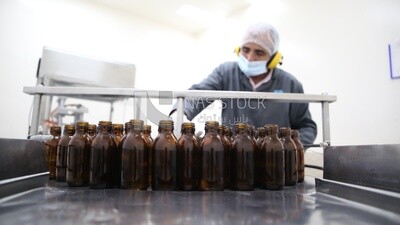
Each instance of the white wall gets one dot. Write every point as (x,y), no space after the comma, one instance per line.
(336,46)
(88,29)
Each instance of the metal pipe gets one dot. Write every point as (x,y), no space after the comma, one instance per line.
(179,116)
(326,136)
(129,92)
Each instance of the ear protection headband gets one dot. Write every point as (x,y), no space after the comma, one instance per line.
(273,62)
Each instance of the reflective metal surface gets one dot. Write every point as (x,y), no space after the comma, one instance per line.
(20,157)
(22,166)
(374,166)
(381,199)
(57,204)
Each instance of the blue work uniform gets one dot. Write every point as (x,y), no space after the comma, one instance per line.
(257,112)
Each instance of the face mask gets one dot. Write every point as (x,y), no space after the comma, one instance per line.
(252,69)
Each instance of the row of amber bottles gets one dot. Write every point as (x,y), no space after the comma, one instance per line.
(73,153)
(215,162)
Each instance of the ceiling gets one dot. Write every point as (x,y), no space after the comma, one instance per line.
(165,11)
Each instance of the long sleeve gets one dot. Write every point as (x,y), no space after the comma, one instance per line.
(213,82)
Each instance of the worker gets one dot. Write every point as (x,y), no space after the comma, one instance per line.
(256,70)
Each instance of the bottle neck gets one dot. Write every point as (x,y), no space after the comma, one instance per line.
(80,130)
(104,129)
(211,130)
(55,134)
(187,131)
(135,129)
(118,133)
(166,130)
(272,133)
(285,133)
(242,131)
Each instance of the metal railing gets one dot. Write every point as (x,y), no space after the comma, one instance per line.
(77,92)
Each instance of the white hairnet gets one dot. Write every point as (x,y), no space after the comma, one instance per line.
(264,35)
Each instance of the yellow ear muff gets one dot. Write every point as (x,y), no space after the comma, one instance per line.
(275,60)
(237,50)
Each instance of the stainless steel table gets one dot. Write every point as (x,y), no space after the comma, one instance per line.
(58,204)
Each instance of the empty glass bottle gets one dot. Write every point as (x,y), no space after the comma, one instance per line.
(300,155)
(135,159)
(92,131)
(261,133)
(78,156)
(102,158)
(227,154)
(270,161)
(228,132)
(188,166)
(149,142)
(290,156)
(117,132)
(242,159)
(127,128)
(260,137)
(62,148)
(252,131)
(212,159)
(147,135)
(51,150)
(164,157)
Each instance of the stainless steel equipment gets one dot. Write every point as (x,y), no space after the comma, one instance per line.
(303,204)
(22,166)
(63,69)
(375,166)
(321,201)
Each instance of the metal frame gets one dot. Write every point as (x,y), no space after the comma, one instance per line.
(324,99)
(58,68)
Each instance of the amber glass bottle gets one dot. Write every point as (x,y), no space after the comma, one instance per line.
(227,154)
(135,159)
(102,158)
(164,157)
(300,155)
(150,143)
(242,159)
(127,128)
(229,133)
(261,133)
(290,156)
(260,136)
(92,131)
(117,132)
(270,161)
(188,167)
(212,159)
(147,135)
(78,156)
(51,150)
(62,148)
